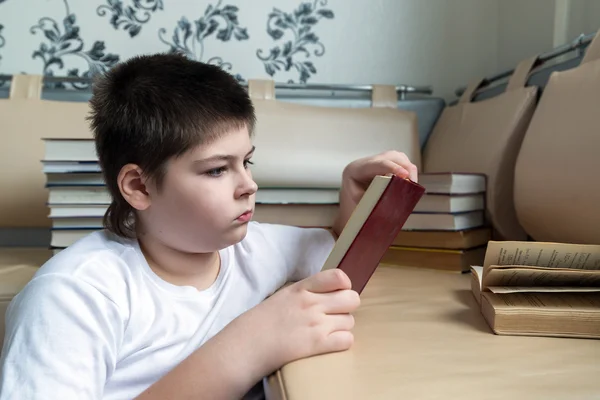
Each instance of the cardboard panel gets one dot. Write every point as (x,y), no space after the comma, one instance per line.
(557,191)
(485,137)
(24,124)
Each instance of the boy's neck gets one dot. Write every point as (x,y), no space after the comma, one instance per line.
(180,268)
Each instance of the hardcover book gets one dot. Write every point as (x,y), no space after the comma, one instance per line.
(373,226)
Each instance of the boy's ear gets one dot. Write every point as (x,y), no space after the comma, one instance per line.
(133,187)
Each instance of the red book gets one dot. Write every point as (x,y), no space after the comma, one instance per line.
(373,226)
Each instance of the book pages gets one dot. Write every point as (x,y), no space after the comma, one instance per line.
(543,254)
(569,303)
(524,276)
(541,289)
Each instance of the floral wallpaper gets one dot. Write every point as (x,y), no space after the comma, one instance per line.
(299,25)
(65,47)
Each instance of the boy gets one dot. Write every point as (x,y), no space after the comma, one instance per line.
(178,297)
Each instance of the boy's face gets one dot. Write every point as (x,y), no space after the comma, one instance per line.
(207,196)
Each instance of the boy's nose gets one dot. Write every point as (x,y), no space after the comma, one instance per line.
(252,186)
(248,185)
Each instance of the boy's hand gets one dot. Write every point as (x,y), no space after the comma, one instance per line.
(358,175)
(307,318)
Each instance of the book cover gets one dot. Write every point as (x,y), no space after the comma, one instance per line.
(373,226)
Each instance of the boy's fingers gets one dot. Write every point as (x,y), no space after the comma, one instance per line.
(390,166)
(326,281)
(380,167)
(401,160)
(340,322)
(339,302)
(339,340)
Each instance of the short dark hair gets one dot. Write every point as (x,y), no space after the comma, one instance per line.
(151,108)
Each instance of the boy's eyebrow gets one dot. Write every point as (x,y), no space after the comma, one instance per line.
(223,157)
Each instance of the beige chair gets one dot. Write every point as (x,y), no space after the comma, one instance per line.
(26,120)
(485,137)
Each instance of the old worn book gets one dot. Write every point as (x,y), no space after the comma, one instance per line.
(451,260)
(372,227)
(542,289)
(458,240)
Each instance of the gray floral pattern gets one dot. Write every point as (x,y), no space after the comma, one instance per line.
(188,36)
(300,25)
(64,52)
(131,17)
(65,41)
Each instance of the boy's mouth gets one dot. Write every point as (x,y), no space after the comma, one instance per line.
(245,217)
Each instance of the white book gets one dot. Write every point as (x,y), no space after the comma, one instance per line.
(66,237)
(78,195)
(62,149)
(297,196)
(66,167)
(98,194)
(77,210)
(443,203)
(453,183)
(77,223)
(74,179)
(444,222)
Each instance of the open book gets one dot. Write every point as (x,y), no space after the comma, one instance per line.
(372,227)
(540,288)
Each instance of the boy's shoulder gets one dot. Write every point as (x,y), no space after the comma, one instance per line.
(99,259)
(98,247)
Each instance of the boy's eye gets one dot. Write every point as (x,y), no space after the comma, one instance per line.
(216,171)
(247,162)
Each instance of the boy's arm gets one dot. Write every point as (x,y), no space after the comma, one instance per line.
(307,318)
(67,344)
(227,366)
(62,336)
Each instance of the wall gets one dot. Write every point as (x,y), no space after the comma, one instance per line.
(525,28)
(443,43)
(582,16)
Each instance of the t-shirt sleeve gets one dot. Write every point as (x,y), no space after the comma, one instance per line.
(61,340)
(303,251)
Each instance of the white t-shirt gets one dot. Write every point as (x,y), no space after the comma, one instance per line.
(96,322)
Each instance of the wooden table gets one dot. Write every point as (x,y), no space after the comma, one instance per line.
(420,335)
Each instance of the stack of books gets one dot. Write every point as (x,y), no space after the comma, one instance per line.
(447,229)
(78,197)
(539,289)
